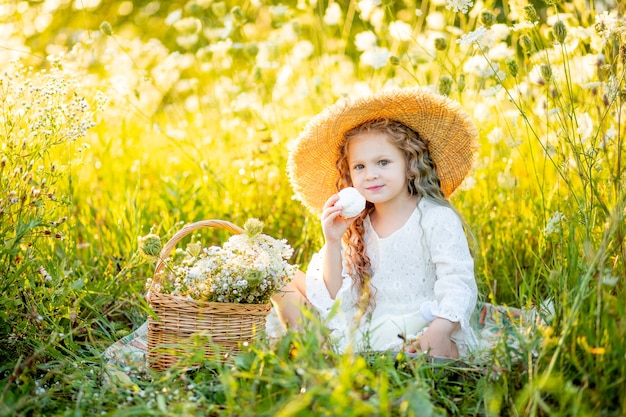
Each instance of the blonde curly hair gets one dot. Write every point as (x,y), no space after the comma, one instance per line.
(422,181)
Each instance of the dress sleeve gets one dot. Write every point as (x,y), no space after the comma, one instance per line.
(455,286)
(316,290)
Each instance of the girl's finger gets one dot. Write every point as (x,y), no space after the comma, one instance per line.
(331,201)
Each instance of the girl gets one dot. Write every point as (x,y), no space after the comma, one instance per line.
(401,270)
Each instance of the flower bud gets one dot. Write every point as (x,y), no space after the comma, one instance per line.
(530,13)
(487,18)
(105,27)
(253,227)
(546,72)
(560,31)
(511,65)
(194,249)
(394,60)
(150,245)
(445,85)
(526,43)
(252,49)
(188,26)
(460,83)
(441,44)
(237,13)
(219,9)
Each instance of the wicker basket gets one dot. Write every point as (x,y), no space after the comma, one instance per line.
(179,322)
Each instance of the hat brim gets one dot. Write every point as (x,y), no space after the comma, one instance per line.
(448,129)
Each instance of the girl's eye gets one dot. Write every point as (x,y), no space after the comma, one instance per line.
(357,167)
(383,163)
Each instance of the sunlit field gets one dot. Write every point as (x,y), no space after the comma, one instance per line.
(119,119)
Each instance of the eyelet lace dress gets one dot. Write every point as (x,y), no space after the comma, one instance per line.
(421,271)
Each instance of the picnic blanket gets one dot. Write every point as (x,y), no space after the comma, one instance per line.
(494,324)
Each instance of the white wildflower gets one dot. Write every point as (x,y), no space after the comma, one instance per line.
(377,18)
(612,88)
(400,31)
(477,65)
(585,126)
(188,26)
(506,180)
(468,183)
(610,280)
(173,17)
(332,16)
(472,37)
(365,40)
(366,7)
(495,136)
(436,21)
(512,142)
(46,276)
(376,57)
(610,134)
(492,91)
(303,50)
(606,23)
(554,224)
(535,75)
(248,268)
(459,5)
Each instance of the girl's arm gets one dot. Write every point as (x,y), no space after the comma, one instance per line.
(455,286)
(333,226)
(332,268)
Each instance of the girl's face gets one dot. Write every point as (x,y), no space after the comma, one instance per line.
(377,168)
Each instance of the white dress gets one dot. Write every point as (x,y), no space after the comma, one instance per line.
(421,271)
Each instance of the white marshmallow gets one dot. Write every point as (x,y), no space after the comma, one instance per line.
(352,201)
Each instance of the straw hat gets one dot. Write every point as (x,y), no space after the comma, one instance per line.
(447,128)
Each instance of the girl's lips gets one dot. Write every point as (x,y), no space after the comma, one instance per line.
(376,188)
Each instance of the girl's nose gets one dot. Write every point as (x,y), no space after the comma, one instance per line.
(372,174)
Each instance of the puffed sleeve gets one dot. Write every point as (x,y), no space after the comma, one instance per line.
(455,286)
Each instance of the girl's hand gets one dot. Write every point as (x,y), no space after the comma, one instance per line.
(436,340)
(333,225)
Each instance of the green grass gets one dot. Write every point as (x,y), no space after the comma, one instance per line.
(135,129)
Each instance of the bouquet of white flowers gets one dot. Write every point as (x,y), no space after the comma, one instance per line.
(219,292)
(248,268)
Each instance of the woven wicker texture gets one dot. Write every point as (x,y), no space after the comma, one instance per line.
(447,128)
(182,323)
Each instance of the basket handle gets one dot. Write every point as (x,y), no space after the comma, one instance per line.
(187,229)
